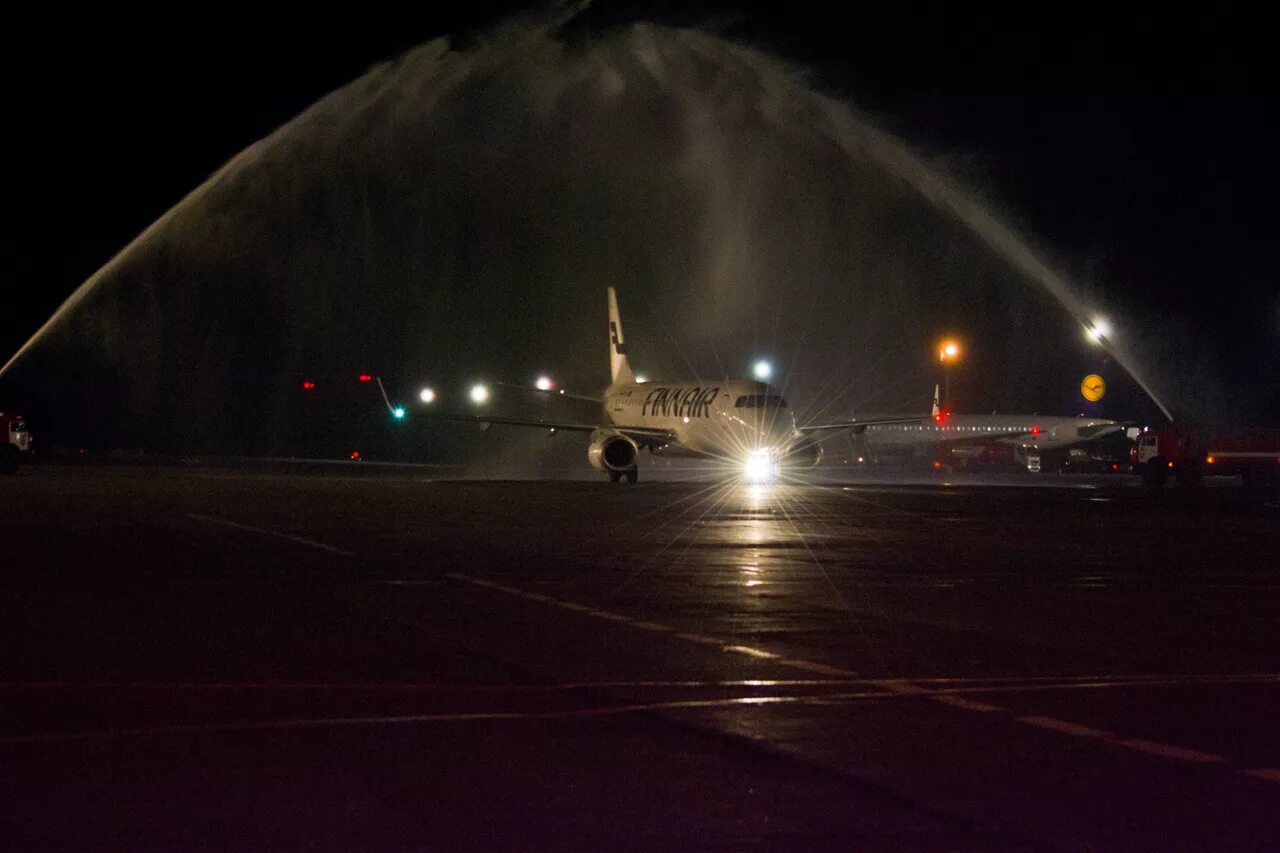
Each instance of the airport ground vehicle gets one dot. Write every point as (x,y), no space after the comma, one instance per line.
(1253,455)
(17,442)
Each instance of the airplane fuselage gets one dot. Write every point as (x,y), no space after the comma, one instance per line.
(716,419)
(1027,431)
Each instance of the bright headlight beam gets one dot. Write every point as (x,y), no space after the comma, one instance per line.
(759,467)
(479,394)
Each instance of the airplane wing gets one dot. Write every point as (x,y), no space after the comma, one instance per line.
(861,424)
(484,421)
(640,435)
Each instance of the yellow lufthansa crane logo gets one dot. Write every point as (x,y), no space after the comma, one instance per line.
(1093,387)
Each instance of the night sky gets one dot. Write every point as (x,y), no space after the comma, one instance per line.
(1137,152)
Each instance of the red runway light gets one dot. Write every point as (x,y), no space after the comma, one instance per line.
(308,385)
(364,377)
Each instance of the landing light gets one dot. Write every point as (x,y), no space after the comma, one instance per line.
(426,395)
(760,467)
(762,370)
(544,383)
(479,394)
(640,379)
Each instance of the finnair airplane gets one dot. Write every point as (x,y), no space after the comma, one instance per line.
(746,424)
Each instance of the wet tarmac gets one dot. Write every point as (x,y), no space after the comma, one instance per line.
(249,658)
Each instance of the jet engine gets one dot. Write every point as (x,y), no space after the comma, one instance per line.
(805,453)
(611,452)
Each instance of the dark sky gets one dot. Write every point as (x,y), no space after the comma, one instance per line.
(1138,150)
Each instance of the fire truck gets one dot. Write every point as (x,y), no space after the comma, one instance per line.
(17,442)
(1252,455)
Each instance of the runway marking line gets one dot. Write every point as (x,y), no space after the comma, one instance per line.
(700,638)
(1064,727)
(1169,751)
(301,540)
(894,687)
(752,652)
(605,614)
(820,668)
(966,704)
(649,626)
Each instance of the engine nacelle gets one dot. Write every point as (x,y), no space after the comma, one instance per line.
(805,453)
(610,451)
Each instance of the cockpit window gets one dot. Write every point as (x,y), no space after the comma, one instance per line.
(760,401)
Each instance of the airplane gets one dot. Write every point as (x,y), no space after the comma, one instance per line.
(742,422)
(973,436)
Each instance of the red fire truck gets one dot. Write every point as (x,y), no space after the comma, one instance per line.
(1253,455)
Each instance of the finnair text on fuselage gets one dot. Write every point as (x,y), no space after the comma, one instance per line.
(680,402)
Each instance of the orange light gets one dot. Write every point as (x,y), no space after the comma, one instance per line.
(1170,463)
(948,351)
(1209,459)
(937,466)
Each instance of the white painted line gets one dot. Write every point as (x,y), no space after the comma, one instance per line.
(700,638)
(750,652)
(821,668)
(1270,774)
(276,533)
(1064,727)
(966,704)
(899,686)
(1169,751)
(612,617)
(649,626)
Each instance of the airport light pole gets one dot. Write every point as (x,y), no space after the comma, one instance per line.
(948,354)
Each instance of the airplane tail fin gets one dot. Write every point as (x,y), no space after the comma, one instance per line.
(936,408)
(619,369)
